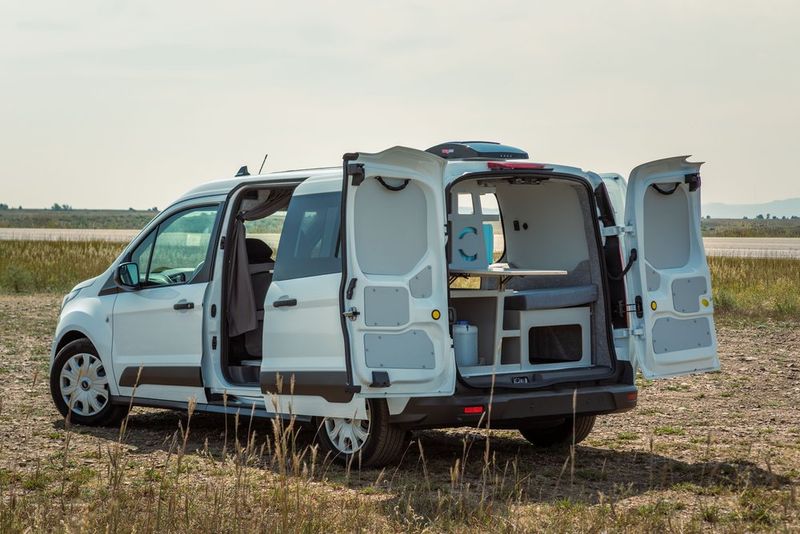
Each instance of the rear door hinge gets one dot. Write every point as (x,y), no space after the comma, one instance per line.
(352,313)
(624,333)
(610,231)
(637,307)
(356,170)
(693,180)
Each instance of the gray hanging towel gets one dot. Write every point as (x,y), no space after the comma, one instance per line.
(241,305)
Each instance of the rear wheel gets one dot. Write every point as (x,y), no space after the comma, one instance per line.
(79,386)
(370,442)
(559,433)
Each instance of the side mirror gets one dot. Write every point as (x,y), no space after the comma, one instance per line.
(127,276)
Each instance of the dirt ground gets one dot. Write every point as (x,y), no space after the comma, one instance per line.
(697,449)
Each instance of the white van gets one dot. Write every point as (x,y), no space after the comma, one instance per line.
(463,285)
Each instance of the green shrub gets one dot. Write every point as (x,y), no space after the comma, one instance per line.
(17,279)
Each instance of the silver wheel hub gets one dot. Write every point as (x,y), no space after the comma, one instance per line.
(84,384)
(347,435)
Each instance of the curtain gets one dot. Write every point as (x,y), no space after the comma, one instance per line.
(241,305)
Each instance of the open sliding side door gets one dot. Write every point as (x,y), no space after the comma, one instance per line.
(673,327)
(394,288)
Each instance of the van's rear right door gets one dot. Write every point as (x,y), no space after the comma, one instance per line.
(673,329)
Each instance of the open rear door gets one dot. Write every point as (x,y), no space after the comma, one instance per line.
(673,326)
(394,288)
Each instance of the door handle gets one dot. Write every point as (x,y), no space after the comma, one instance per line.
(183,306)
(284,303)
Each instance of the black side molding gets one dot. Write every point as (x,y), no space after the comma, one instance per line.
(163,376)
(330,385)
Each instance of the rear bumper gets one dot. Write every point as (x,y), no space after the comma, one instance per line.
(509,408)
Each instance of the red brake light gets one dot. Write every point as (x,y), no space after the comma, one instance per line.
(473,410)
(506,165)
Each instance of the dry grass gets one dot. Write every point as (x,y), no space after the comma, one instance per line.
(708,452)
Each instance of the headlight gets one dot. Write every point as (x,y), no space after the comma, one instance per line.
(69,296)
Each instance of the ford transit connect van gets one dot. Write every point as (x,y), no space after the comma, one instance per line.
(460,286)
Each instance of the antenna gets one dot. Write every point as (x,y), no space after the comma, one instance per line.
(262,163)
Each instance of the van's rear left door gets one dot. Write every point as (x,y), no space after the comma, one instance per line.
(673,330)
(394,288)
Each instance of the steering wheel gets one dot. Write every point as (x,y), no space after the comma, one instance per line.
(159,279)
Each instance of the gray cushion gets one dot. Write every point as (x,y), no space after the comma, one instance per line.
(547,299)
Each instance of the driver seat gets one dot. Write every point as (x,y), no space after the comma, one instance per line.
(261,265)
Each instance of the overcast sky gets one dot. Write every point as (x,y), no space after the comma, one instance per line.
(115,104)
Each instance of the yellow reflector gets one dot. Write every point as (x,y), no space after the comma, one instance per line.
(653,305)
(705,302)
(436,314)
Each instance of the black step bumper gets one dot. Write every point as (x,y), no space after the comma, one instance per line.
(508,408)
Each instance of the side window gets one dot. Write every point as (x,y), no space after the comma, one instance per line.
(141,255)
(491,211)
(309,244)
(176,252)
(268,229)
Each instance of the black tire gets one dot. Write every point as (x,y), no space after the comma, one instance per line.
(383,446)
(559,434)
(109,415)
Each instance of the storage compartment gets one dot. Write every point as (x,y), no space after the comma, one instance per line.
(551,339)
(555,344)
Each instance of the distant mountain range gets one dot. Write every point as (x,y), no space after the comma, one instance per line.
(778,208)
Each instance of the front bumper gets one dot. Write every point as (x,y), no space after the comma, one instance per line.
(509,408)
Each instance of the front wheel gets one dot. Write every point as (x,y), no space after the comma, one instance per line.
(79,386)
(561,433)
(369,442)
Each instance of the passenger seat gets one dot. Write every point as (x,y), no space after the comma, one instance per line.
(259,256)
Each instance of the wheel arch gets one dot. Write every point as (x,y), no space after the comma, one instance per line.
(69,337)
(71,333)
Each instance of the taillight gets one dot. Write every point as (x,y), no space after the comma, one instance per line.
(512,165)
